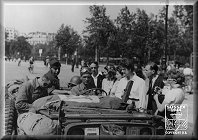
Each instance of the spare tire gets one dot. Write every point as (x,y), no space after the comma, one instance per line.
(10,117)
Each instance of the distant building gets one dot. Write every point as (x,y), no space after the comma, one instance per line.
(33,37)
(40,37)
(12,34)
(23,34)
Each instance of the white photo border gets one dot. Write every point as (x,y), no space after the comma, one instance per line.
(88,2)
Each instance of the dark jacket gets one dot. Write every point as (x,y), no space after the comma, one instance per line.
(151,102)
(99,81)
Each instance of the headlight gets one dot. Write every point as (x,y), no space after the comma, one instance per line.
(160,131)
(76,131)
(146,131)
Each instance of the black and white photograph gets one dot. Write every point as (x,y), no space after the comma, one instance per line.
(99,69)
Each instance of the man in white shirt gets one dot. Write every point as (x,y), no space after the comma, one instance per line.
(97,77)
(187,70)
(176,94)
(188,73)
(138,91)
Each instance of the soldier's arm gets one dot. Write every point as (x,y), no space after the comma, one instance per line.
(75,90)
(160,107)
(22,104)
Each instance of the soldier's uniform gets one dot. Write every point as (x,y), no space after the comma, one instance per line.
(81,88)
(29,92)
(30,123)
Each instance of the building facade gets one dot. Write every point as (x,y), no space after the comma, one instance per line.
(40,38)
(33,37)
(12,34)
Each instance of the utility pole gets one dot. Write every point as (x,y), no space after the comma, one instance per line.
(164,59)
(166,29)
(195,44)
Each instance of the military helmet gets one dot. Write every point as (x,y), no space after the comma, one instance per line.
(75,80)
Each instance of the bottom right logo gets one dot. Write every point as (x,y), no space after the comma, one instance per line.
(176,119)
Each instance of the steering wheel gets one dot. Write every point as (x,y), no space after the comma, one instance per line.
(96,91)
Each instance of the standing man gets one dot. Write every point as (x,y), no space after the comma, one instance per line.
(86,82)
(188,73)
(155,80)
(73,63)
(97,77)
(19,61)
(131,88)
(31,66)
(47,60)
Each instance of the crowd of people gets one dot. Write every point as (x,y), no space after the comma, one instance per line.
(144,88)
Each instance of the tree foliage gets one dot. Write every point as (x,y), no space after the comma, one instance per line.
(130,34)
(99,28)
(125,23)
(19,46)
(67,39)
(183,14)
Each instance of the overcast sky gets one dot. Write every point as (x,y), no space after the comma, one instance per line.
(48,18)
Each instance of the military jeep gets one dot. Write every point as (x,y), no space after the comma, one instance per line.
(89,121)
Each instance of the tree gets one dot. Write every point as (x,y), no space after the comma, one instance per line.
(87,50)
(7,45)
(155,39)
(173,38)
(125,23)
(67,39)
(50,49)
(21,46)
(140,33)
(99,28)
(183,14)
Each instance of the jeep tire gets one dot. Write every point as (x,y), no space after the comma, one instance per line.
(10,117)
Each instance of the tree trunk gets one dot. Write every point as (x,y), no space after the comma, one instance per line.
(108,55)
(96,54)
(174,55)
(59,53)
(149,54)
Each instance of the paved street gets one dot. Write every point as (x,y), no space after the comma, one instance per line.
(12,71)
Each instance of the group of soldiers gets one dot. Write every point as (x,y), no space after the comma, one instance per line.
(141,88)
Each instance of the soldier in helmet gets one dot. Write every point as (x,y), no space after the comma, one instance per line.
(87,82)
(75,80)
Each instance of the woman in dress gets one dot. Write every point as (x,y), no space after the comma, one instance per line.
(108,82)
(119,75)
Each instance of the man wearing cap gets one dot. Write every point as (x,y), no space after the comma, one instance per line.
(31,91)
(87,82)
(55,70)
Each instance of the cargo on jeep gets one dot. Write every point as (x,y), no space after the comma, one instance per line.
(87,118)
